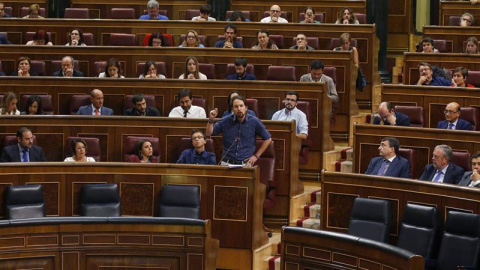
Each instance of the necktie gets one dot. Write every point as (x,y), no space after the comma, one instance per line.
(185,113)
(25,155)
(383,169)
(439,174)
(97,112)
(450,126)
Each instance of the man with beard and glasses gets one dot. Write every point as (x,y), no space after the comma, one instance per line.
(186,109)
(140,107)
(197,154)
(291,112)
(241,71)
(240,132)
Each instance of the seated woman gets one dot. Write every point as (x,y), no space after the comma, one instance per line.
(346,16)
(264,42)
(33,12)
(345,41)
(112,70)
(9,104)
(237,16)
(40,38)
(75,38)
(155,40)
(191,40)
(459,79)
(472,45)
(150,71)
(191,70)
(79,148)
(230,108)
(144,153)
(310,16)
(23,68)
(427,45)
(33,106)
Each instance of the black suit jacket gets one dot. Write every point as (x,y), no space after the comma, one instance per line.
(76,73)
(452,176)
(150,111)
(12,154)
(402,120)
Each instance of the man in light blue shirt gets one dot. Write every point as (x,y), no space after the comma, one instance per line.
(152,7)
(291,112)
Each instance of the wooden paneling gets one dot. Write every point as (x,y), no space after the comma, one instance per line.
(399,24)
(456,8)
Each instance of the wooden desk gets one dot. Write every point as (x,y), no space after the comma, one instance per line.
(84,243)
(456,8)
(446,60)
(340,189)
(423,140)
(456,36)
(231,199)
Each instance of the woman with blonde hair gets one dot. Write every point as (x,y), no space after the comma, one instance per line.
(9,104)
(191,40)
(33,12)
(192,70)
(345,42)
(472,45)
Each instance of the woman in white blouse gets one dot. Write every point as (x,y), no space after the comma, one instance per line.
(9,104)
(79,150)
(191,70)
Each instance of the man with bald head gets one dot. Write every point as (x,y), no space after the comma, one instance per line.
(452,120)
(96,108)
(388,116)
(68,69)
(274,17)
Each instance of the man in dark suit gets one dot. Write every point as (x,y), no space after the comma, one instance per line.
(452,120)
(140,107)
(388,116)
(67,69)
(96,108)
(24,150)
(472,178)
(389,163)
(442,170)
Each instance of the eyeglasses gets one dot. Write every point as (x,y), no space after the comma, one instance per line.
(465,19)
(275,11)
(449,112)
(197,137)
(289,99)
(190,36)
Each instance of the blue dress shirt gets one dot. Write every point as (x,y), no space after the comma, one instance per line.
(191,156)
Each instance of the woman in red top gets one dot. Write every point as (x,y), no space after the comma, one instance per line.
(459,79)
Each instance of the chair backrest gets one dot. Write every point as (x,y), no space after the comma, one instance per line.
(161,68)
(76,13)
(278,40)
(311,41)
(77,101)
(414,113)
(207,69)
(130,143)
(198,101)
(24,12)
(266,162)
(335,42)
(120,39)
(88,39)
(318,17)
(370,218)
(362,18)
(93,147)
(99,67)
(460,244)
(12,139)
(122,13)
(281,73)
(331,72)
(24,202)
(411,156)
(252,105)
(38,67)
(190,13)
(202,38)
(100,200)
(47,104)
(231,69)
(470,114)
(454,21)
(56,65)
(128,104)
(182,201)
(304,106)
(418,229)
(474,78)
(462,159)
(9,11)
(29,36)
(246,14)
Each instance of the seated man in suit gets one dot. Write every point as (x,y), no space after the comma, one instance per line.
(96,108)
(141,108)
(452,120)
(388,116)
(472,178)
(24,150)
(68,69)
(442,170)
(197,155)
(389,163)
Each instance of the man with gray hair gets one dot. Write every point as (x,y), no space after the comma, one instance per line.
(467,19)
(68,68)
(152,7)
(442,170)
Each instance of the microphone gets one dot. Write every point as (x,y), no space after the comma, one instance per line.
(228,150)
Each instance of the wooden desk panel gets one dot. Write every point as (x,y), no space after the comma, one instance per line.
(456,36)
(340,189)
(456,8)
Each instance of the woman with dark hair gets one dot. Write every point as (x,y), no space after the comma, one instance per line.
(150,71)
(79,150)
(191,40)
(237,16)
(144,153)
(75,38)
(472,45)
(192,70)
(310,16)
(346,16)
(9,104)
(263,41)
(40,38)
(112,69)
(23,68)
(33,106)
(230,108)
(155,40)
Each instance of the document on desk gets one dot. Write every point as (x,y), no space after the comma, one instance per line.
(235,166)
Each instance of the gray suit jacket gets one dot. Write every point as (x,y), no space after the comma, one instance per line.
(466,179)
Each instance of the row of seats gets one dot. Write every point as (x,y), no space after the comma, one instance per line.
(459,244)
